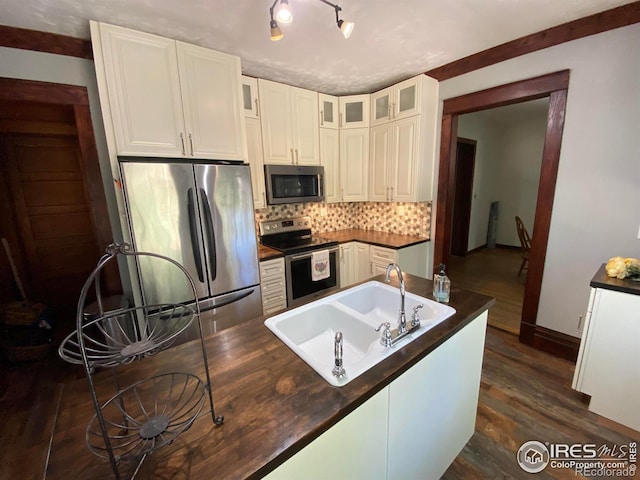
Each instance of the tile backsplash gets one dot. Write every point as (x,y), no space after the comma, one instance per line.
(401,217)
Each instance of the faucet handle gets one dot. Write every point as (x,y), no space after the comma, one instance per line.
(385,339)
(338,369)
(415,318)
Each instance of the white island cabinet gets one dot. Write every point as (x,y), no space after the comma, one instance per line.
(412,429)
(608,365)
(169,98)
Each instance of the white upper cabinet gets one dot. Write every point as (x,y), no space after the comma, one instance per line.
(210,84)
(354,111)
(394,161)
(398,101)
(380,161)
(329,111)
(289,119)
(256,162)
(354,164)
(330,160)
(168,98)
(144,91)
(403,150)
(250,105)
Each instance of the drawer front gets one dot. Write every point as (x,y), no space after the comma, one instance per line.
(382,255)
(272,268)
(272,285)
(273,308)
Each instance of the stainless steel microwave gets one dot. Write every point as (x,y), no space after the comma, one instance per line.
(294,183)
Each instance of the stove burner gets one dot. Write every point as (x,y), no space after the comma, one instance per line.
(292,236)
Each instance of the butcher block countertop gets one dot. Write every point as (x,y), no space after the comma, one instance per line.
(273,403)
(373,237)
(268,253)
(602,280)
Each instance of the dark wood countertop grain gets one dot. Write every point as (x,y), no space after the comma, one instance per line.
(373,237)
(602,280)
(274,404)
(267,253)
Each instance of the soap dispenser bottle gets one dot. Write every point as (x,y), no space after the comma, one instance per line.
(441,285)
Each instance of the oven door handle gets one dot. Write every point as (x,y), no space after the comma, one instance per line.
(293,258)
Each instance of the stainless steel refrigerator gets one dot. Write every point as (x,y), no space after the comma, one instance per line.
(201,215)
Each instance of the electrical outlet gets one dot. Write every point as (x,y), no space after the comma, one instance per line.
(323,211)
(401,210)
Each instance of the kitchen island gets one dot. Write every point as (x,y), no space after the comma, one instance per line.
(274,404)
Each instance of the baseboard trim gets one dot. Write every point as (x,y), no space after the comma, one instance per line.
(549,341)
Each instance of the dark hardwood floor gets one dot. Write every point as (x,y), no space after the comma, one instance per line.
(525,395)
(493,272)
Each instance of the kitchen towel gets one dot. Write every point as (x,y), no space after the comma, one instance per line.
(320,265)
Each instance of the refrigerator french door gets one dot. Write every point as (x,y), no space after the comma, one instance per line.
(200,215)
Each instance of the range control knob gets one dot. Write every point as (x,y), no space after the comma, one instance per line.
(267,227)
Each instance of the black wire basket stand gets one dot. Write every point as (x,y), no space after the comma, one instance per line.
(151,412)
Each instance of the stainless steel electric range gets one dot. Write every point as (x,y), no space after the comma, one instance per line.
(293,237)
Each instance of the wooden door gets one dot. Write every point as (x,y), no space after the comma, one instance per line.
(465,165)
(46,209)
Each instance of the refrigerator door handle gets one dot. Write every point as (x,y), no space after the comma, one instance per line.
(193,229)
(210,236)
(228,299)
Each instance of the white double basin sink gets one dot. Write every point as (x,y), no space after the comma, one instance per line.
(309,330)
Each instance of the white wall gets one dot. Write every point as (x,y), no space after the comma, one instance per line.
(508,159)
(595,213)
(486,132)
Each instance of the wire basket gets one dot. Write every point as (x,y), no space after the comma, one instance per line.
(146,415)
(124,335)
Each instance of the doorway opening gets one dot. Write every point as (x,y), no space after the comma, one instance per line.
(52,198)
(485,248)
(555,87)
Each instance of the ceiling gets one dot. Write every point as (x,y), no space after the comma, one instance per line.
(392,40)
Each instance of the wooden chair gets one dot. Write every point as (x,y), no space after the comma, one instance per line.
(525,244)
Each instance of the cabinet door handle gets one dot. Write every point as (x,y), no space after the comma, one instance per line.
(321,118)
(191,144)
(341,123)
(389,109)
(293,162)
(257,111)
(184,152)
(390,194)
(297,159)
(393,110)
(580,318)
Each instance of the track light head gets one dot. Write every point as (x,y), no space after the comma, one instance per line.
(346,27)
(283,15)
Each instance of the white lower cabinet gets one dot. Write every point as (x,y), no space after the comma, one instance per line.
(608,365)
(362,271)
(347,264)
(273,286)
(411,259)
(355,448)
(412,429)
(354,263)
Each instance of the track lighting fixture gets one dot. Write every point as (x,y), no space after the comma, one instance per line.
(283,15)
